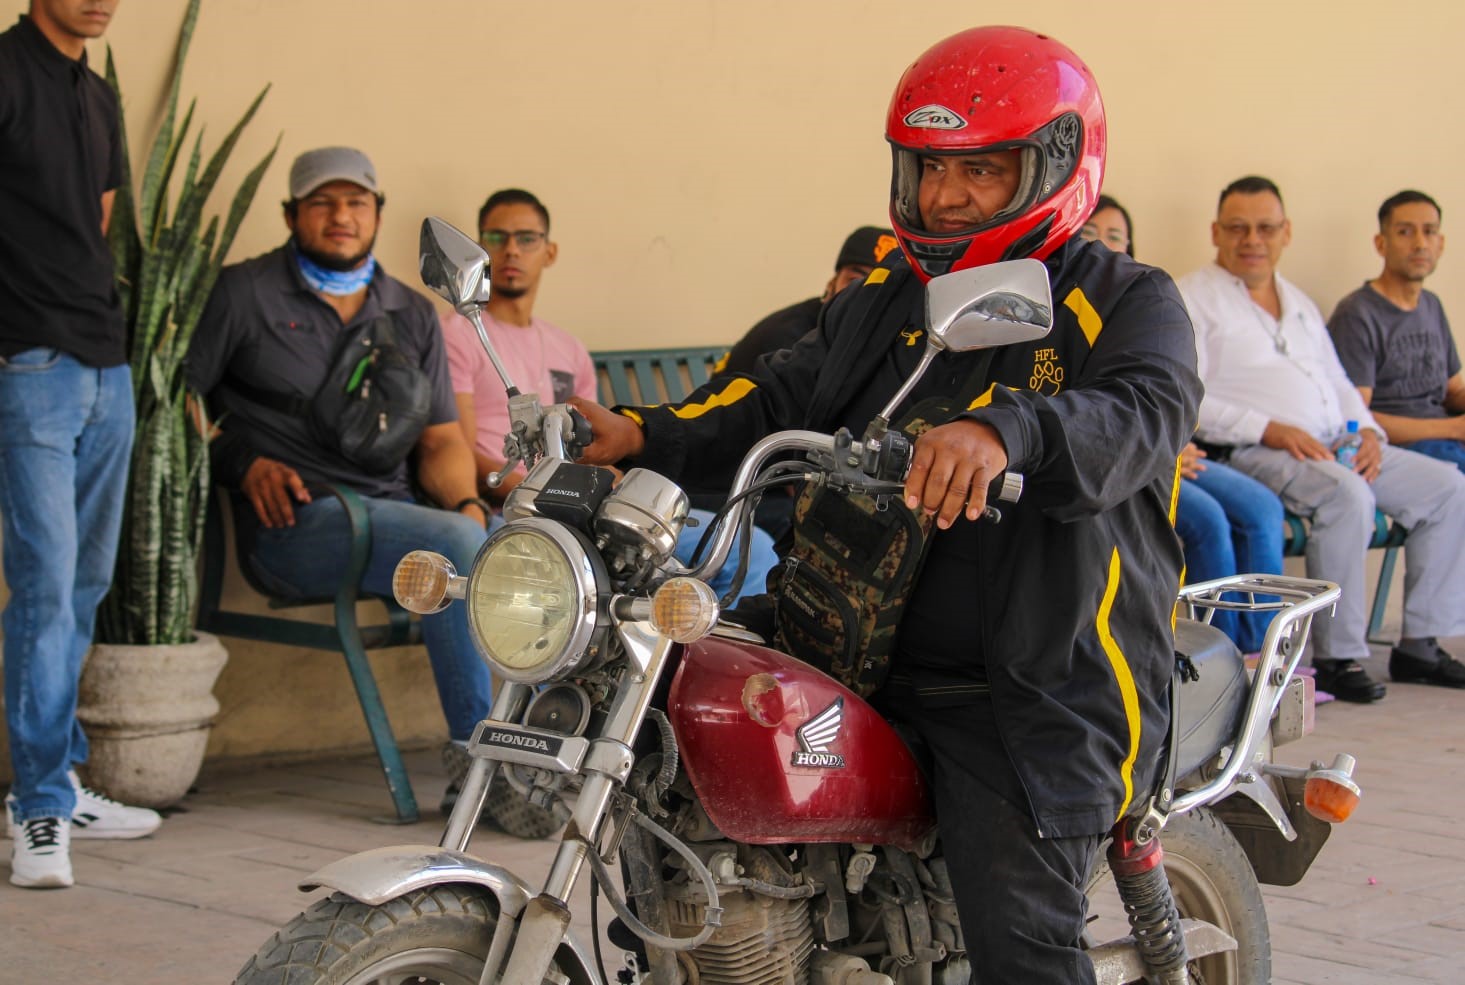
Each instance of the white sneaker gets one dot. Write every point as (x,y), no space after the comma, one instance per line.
(96,816)
(40,857)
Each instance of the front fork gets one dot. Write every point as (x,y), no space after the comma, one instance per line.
(542,924)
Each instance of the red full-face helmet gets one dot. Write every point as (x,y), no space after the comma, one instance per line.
(998,89)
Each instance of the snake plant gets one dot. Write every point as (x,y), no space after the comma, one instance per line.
(167,259)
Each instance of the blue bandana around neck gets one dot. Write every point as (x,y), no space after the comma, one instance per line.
(336,283)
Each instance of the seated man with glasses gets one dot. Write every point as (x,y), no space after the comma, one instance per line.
(1277,398)
(513,226)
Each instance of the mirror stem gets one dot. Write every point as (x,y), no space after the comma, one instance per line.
(475,315)
(909,385)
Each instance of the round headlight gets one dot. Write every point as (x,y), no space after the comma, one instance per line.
(532,600)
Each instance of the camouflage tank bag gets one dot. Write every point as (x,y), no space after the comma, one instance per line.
(839,594)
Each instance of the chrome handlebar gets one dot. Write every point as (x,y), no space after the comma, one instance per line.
(858,465)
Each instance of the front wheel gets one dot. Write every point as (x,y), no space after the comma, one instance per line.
(1212,880)
(436,935)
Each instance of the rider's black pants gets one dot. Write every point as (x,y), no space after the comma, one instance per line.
(1020,897)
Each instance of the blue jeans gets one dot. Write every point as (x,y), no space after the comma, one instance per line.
(65,442)
(308,560)
(1444,449)
(761,558)
(1230,524)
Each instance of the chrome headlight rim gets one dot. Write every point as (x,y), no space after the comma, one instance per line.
(588,581)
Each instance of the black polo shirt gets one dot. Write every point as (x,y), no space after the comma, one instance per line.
(60,150)
(263,326)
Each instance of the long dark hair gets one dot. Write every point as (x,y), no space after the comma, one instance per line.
(1105,202)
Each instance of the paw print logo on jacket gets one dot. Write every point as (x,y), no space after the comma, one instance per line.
(1047,372)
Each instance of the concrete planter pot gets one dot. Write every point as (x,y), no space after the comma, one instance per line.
(147,711)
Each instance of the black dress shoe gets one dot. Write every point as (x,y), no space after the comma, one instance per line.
(1445,670)
(1347,681)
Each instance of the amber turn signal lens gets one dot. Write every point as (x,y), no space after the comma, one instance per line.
(1329,799)
(420,582)
(684,609)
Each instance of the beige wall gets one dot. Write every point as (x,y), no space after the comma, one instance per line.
(703,159)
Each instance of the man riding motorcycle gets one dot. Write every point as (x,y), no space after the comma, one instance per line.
(1034,656)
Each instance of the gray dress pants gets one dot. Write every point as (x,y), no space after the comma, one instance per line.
(1425,495)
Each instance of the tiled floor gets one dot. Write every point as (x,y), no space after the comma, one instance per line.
(1384,904)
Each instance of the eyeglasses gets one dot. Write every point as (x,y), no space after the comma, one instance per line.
(1113,238)
(527,240)
(1241,230)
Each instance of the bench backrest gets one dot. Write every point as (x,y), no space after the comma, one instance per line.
(653,376)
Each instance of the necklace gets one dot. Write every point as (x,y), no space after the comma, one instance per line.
(1273,328)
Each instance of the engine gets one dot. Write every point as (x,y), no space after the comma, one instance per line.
(792,917)
(761,942)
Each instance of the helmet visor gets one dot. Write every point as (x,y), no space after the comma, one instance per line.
(1047,160)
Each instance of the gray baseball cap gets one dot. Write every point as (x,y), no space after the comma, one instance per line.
(326,164)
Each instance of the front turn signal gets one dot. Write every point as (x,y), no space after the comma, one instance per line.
(684,609)
(1330,794)
(422,582)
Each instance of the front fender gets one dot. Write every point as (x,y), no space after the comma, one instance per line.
(381,874)
(385,873)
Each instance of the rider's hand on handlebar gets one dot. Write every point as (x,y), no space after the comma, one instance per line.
(616,436)
(270,486)
(951,468)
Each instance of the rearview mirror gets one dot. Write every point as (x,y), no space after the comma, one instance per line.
(982,307)
(453,266)
(979,308)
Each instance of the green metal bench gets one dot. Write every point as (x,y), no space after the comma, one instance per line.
(1388,536)
(344,634)
(627,376)
(653,376)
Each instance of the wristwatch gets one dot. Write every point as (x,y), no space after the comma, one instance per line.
(477,501)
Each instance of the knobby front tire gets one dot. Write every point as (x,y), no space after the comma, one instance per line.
(438,934)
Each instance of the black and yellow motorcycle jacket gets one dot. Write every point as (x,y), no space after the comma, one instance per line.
(1071,594)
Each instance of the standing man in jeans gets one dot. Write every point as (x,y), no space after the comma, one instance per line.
(66,419)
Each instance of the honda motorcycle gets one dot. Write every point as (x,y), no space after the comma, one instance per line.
(768,825)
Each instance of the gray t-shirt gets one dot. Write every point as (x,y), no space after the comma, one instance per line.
(1405,357)
(264,326)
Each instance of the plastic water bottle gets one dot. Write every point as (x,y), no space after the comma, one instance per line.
(1347,450)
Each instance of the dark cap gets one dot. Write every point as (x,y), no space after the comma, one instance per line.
(327,164)
(866,246)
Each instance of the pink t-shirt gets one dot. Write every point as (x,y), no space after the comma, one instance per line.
(540,359)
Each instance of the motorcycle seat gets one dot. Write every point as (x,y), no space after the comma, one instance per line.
(1211,700)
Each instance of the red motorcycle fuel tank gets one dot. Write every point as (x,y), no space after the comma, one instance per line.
(780,752)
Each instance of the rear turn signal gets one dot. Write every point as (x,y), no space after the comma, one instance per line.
(420,582)
(1330,794)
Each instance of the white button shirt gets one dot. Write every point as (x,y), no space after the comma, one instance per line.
(1257,368)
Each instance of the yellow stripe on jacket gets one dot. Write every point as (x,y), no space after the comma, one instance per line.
(735,390)
(1123,677)
(1088,319)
